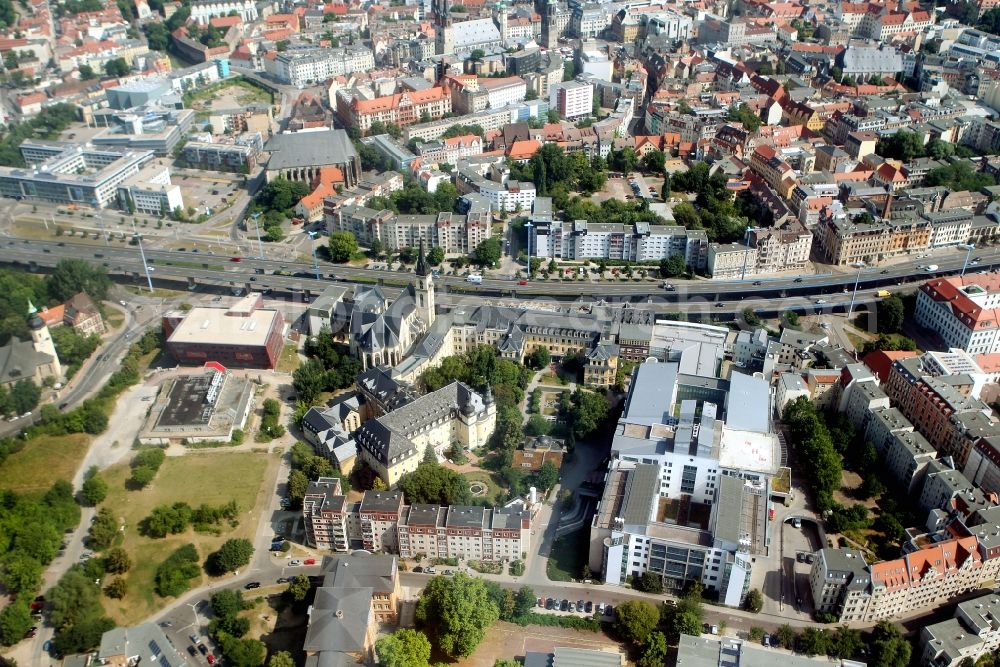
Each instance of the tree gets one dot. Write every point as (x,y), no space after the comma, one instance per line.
(587,412)
(435,256)
(744,114)
(232,555)
(903,145)
(754,601)
(103,530)
(477,54)
(433,483)
(673,266)
(298,588)
(845,643)
(343,245)
(547,476)
(537,425)
(117,561)
(117,67)
(814,641)
(86,72)
(94,490)
(242,652)
(654,161)
(888,647)
(458,610)
(281,659)
(20,572)
(540,357)
(786,636)
(636,619)
(654,652)
(376,249)
(890,314)
(24,396)
(403,648)
(116,588)
(488,252)
(15,621)
(649,582)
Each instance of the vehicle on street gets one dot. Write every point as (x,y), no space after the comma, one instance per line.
(418,569)
(285,580)
(882,293)
(474,279)
(235,259)
(252,585)
(797,522)
(931,268)
(210,658)
(295,562)
(430,570)
(820,301)
(202,649)
(522,282)
(798,280)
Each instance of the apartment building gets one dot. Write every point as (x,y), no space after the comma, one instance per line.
(402,109)
(638,242)
(450,231)
(769,250)
(237,154)
(962,311)
(777,173)
(844,242)
(305,67)
(854,591)
(505,194)
(635,531)
(451,150)
(382,522)
(572,99)
(973,632)
(359,593)
(204,10)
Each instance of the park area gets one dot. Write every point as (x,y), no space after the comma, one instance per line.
(212,478)
(42,461)
(232,94)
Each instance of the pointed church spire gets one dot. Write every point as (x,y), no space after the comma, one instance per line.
(31,308)
(421,269)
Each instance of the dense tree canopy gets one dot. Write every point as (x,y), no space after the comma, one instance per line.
(433,483)
(636,619)
(458,610)
(403,648)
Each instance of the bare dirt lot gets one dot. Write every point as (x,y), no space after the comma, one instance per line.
(506,640)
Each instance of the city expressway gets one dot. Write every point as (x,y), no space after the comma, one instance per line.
(304,278)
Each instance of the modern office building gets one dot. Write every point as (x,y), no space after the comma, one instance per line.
(245,335)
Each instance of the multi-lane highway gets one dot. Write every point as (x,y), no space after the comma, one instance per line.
(221,270)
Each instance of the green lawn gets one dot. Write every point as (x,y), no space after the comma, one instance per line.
(569,554)
(491,480)
(213,478)
(289,359)
(42,461)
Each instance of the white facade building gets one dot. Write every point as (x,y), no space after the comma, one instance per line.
(962,311)
(204,10)
(572,99)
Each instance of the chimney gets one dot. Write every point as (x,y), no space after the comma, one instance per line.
(888,206)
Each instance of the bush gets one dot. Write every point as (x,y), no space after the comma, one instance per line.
(116,588)
(232,555)
(551,620)
(269,426)
(117,561)
(174,575)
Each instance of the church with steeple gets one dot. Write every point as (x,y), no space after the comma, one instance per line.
(380,331)
(34,360)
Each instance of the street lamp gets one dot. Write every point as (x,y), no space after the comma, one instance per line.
(528,225)
(968,253)
(142,254)
(854,295)
(746,251)
(260,243)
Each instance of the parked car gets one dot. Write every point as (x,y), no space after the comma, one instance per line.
(579,605)
(282,580)
(192,650)
(540,602)
(295,562)
(418,569)
(609,610)
(590,606)
(548,603)
(202,649)
(563,605)
(252,585)
(309,561)
(194,639)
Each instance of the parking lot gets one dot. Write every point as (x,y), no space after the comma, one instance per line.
(798,546)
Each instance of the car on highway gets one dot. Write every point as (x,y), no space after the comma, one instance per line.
(820,302)
(522,282)
(235,259)
(798,280)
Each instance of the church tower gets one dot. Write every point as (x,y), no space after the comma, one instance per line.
(500,18)
(547,10)
(444,35)
(42,339)
(424,288)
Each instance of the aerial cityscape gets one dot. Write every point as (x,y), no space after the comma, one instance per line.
(530,333)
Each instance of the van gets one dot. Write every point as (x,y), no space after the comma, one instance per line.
(474,279)
(882,293)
